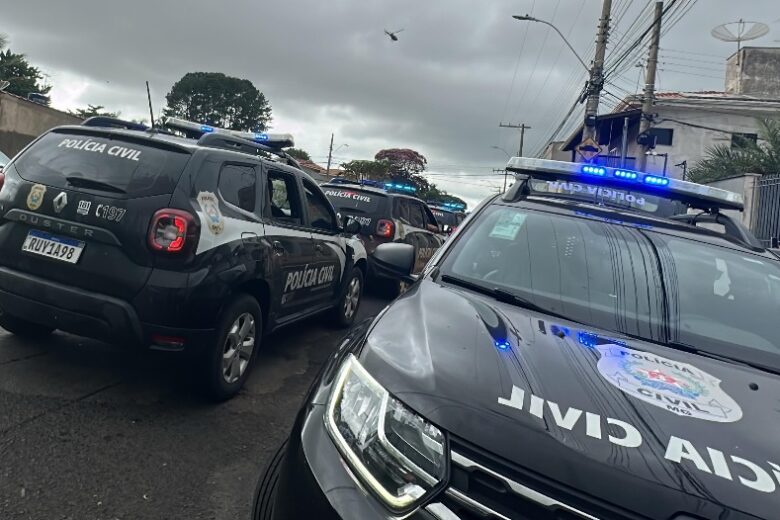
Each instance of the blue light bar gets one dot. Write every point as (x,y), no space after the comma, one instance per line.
(207,129)
(503,345)
(623,174)
(594,170)
(272,140)
(656,181)
(697,195)
(261,137)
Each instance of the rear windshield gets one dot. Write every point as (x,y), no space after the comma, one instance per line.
(101,163)
(445,218)
(345,199)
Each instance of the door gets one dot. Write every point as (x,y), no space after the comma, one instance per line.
(290,244)
(329,245)
(412,230)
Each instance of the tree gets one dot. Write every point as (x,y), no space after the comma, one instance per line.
(297,153)
(218,100)
(362,169)
(93,111)
(746,156)
(404,162)
(23,77)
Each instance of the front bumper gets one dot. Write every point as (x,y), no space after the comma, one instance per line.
(316,483)
(81,312)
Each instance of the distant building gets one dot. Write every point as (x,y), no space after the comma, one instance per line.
(319,173)
(22,120)
(686,124)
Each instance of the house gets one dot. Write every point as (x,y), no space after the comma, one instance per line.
(686,124)
(319,173)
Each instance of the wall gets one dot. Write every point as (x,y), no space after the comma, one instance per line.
(746,186)
(754,71)
(21,121)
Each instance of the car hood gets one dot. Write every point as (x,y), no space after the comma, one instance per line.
(641,426)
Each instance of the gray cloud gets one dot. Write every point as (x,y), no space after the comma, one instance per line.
(327,67)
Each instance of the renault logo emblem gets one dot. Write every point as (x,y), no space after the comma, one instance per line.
(60,201)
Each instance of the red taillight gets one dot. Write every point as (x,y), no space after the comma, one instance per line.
(171,230)
(2,178)
(385,228)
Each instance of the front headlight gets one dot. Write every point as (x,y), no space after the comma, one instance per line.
(396,453)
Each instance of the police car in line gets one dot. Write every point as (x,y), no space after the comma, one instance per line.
(200,244)
(449,215)
(597,343)
(387,212)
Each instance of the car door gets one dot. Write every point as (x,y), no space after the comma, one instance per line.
(329,245)
(431,233)
(411,224)
(290,245)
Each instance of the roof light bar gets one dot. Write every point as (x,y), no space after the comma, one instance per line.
(272,140)
(693,193)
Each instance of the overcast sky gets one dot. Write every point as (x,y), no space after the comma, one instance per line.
(459,67)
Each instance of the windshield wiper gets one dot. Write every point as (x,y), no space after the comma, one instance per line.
(81,182)
(502,295)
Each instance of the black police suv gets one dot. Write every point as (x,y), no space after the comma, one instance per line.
(202,244)
(576,350)
(387,213)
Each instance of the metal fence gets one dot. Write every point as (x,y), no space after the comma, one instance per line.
(766,225)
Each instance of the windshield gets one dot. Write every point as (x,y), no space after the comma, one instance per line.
(619,277)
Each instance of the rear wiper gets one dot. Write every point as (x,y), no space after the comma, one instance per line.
(81,182)
(502,295)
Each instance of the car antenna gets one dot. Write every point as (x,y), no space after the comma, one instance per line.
(151,112)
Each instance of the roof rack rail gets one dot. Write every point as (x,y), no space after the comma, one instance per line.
(114,122)
(732,227)
(229,142)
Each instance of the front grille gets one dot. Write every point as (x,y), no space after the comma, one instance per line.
(483,487)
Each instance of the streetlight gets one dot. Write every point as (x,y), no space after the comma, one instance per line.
(508,155)
(529,18)
(340,147)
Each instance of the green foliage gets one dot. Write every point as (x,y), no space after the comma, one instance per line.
(297,153)
(218,100)
(361,169)
(722,161)
(24,78)
(93,111)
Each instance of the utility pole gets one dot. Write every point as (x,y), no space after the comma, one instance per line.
(522,127)
(151,112)
(498,170)
(647,105)
(596,81)
(330,154)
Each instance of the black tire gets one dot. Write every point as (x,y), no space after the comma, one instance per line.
(211,360)
(344,313)
(265,493)
(24,328)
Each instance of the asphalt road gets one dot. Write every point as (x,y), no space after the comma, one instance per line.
(92,432)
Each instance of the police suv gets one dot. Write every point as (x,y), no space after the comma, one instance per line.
(199,244)
(387,212)
(597,343)
(448,215)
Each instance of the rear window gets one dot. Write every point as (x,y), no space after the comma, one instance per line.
(103,164)
(445,218)
(345,199)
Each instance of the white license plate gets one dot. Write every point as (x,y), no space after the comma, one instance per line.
(50,246)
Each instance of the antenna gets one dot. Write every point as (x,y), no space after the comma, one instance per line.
(151,112)
(740,31)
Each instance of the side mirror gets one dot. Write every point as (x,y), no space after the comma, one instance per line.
(352,226)
(395,260)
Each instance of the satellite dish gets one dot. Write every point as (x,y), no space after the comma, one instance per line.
(740,31)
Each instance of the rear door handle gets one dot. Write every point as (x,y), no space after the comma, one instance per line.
(278,247)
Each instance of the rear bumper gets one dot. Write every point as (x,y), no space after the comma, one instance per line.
(81,312)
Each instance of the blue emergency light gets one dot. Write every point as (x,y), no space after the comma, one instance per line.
(695,194)
(271,140)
